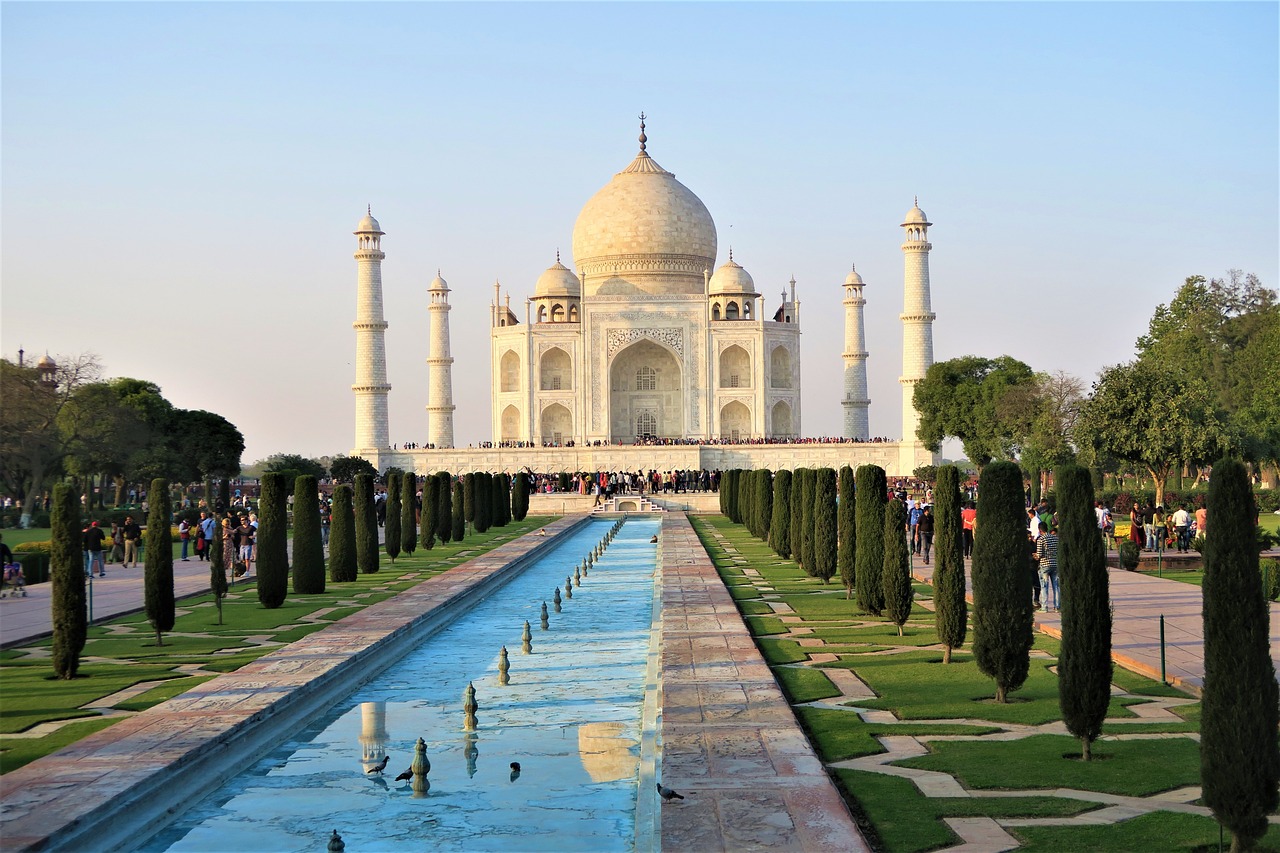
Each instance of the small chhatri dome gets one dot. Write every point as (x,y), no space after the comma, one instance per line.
(853,277)
(915,216)
(46,362)
(558,280)
(369,225)
(438,283)
(732,278)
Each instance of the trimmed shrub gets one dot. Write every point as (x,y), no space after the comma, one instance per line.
(430,512)
(273,542)
(808,494)
(66,576)
(1129,554)
(796,512)
(342,537)
(469,497)
(483,502)
(366,525)
(951,611)
(847,530)
(391,533)
(1084,662)
(308,544)
(825,539)
(520,497)
(409,513)
(459,529)
(1002,614)
(444,506)
(780,525)
(1239,757)
(896,573)
(503,490)
(870,496)
(763,502)
(158,564)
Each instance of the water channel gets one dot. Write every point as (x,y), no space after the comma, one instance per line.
(571,716)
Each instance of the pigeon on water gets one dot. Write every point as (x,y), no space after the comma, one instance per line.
(515,770)
(653,540)
(667,794)
(380,766)
(405,776)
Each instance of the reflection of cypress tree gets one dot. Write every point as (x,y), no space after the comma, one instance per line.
(308,545)
(217,572)
(824,524)
(794,535)
(897,565)
(409,513)
(520,497)
(459,518)
(391,535)
(430,510)
(1239,764)
(342,537)
(1084,661)
(764,502)
(158,565)
(366,525)
(1002,614)
(273,541)
(870,492)
(780,524)
(847,530)
(66,581)
(808,494)
(951,612)
(444,506)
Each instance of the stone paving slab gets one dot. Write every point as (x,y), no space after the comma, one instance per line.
(730,742)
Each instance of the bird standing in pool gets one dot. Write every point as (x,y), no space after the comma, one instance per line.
(515,770)
(405,776)
(667,794)
(380,766)
(653,540)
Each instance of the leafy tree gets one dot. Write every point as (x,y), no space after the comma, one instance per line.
(825,539)
(224,495)
(459,529)
(293,466)
(926,474)
(66,581)
(444,506)
(217,571)
(780,524)
(158,565)
(808,495)
(308,541)
(897,564)
(210,443)
(958,398)
(1002,614)
(1239,758)
(1084,662)
(1041,418)
(409,513)
(342,537)
(763,502)
(951,611)
(345,469)
(366,525)
(520,497)
(870,496)
(391,536)
(273,541)
(1156,418)
(847,528)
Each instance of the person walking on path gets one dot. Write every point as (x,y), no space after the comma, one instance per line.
(93,539)
(925,530)
(184,534)
(117,544)
(1047,554)
(206,525)
(968,519)
(132,535)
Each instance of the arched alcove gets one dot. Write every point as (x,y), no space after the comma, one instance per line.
(555,370)
(735,421)
(511,424)
(557,424)
(781,420)
(780,367)
(510,371)
(645,379)
(735,368)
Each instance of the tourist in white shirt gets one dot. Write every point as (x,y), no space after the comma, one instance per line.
(1182,524)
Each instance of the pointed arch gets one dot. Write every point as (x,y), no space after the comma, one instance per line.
(735,368)
(509,371)
(557,424)
(735,421)
(555,370)
(780,367)
(511,424)
(780,420)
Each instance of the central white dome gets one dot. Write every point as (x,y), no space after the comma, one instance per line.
(645,228)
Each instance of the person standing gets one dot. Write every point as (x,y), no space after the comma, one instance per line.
(1047,554)
(1182,527)
(1137,527)
(93,539)
(184,535)
(207,525)
(968,520)
(914,513)
(117,544)
(132,536)
(925,530)
(1202,521)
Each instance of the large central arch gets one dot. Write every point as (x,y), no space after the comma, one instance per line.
(645,390)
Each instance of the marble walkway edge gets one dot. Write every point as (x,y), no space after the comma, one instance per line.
(115,788)
(730,741)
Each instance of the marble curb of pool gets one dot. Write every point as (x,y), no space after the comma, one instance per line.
(114,789)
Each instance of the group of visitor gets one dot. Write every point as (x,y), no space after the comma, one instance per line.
(1151,528)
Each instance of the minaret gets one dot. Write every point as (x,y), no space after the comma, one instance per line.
(917,316)
(440,368)
(372,431)
(856,401)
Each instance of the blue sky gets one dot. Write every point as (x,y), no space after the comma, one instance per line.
(179,181)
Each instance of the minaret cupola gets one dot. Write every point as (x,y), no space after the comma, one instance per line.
(732,292)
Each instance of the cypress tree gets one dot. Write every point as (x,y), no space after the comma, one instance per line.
(780,525)
(1002,614)
(951,611)
(366,525)
(896,573)
(1084,661)
(342,537)
(66,581)
(847,529)
(458,516)
(409,513)
(483,503)
(746,500)
(870,496)
(824,524)
(273,542)
(808,483)
(520,497)
(797,482)
(764,502)
(217,572)
(469,497)
(444,506)
(391,534)
(224,494)
(308,544)
(498,498)
(430,511)
(158,566)
(506,503)
(1239,762)
(726,479)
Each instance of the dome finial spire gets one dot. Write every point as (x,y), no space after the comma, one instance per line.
(730,254)
(643,138)
(368,208)
(916,200)
(557,256)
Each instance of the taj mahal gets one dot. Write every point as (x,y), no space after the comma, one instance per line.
(642,353)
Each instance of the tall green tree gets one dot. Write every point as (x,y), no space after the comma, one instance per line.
(896,573)
(870,495)
(951,611)
(217,567)
(431,489)
(158,565)
(764,502)
(273,541)
(66,581)
(825,537)
(345,469)
(520,497)
(391,533)
(780,524)
(498,498)
(409,513)
(796,513)
(459,528)
(808,495)
(342,537)
(1084,661)
(958,398)
(366,525)
(483,503)
(293,465)
(308,541)
(469,497)
(1002,613)
(444,506)
(1239,761)
(847,530)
